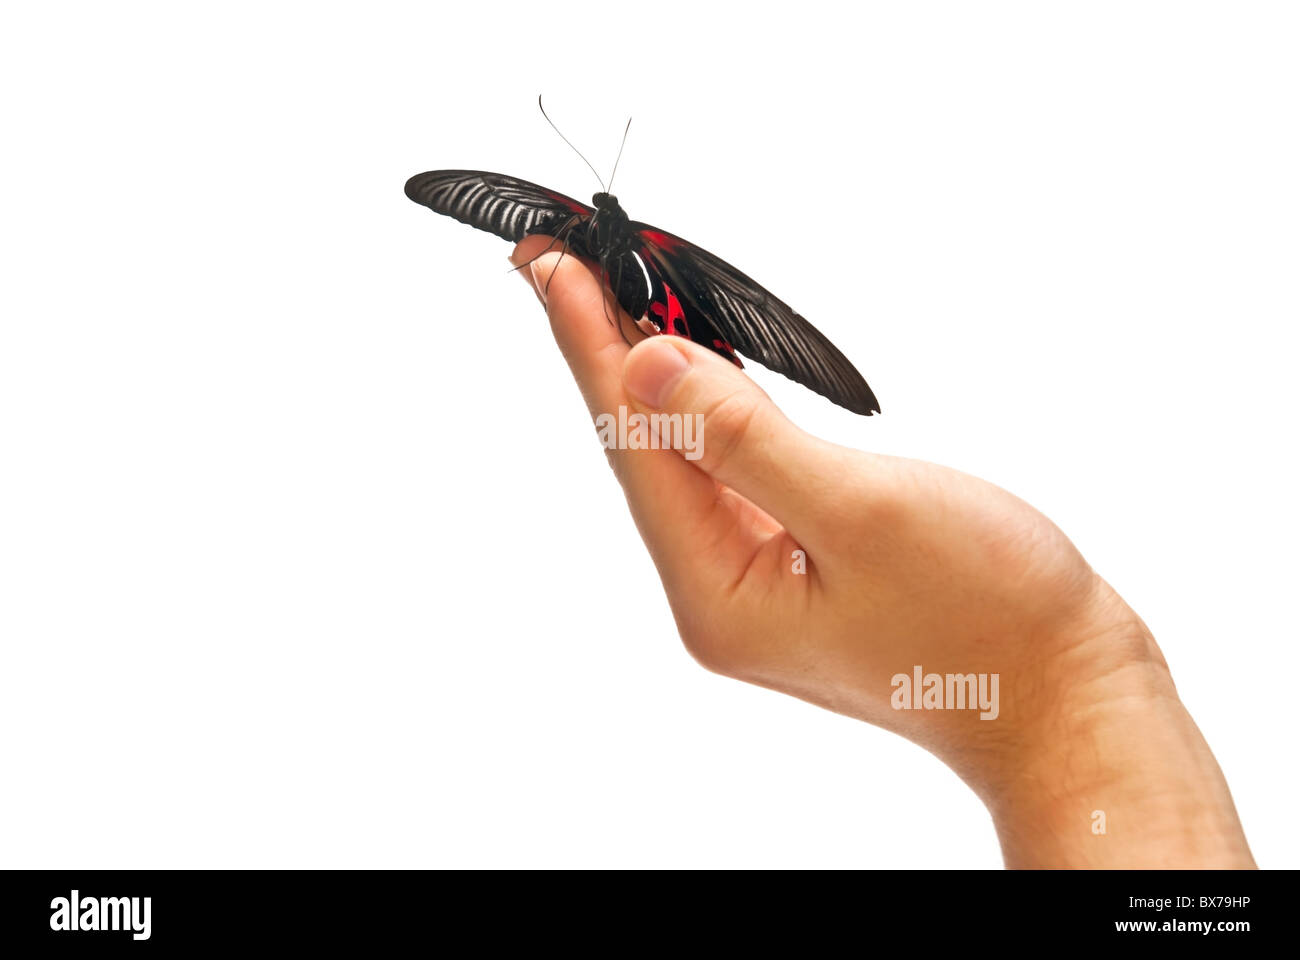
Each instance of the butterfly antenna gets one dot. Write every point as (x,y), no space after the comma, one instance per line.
(571,146)
(620,155)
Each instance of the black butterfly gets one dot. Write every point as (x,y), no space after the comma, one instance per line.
(692,293)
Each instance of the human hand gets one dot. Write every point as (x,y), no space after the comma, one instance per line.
(825,572)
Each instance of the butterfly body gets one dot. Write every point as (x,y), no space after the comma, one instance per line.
(607,237)
(691,292)
(610,226)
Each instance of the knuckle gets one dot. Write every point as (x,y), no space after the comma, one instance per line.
(731,644)
(717,651)
(707,635)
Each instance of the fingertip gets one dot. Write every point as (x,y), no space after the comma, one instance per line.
(529,247)
(652,368)
(655,366)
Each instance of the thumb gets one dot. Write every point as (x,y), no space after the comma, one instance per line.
(744,441)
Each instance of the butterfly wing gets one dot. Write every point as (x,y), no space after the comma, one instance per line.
(725,310)
(509,207)
(692,292)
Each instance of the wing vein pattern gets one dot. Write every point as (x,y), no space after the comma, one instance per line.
(754,322)
(507,206)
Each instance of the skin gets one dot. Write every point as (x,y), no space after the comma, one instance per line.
(906,563)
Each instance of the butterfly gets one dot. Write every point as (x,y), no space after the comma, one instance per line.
(691,293)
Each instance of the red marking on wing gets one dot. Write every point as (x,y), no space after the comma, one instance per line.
(661,240)
(730,352)
(670,314)
(569,202)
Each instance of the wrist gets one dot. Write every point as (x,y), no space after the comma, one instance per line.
(1109,769)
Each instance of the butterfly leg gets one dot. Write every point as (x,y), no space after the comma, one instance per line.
(564,248)
(568,225)
(607,292)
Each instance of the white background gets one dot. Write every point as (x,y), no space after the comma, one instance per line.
(308,556)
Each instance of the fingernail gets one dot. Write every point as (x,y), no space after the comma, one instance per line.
(652,370)
(538,283)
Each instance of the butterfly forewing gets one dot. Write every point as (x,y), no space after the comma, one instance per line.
(509,207)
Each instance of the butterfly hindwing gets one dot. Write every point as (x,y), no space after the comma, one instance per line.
(666,311)
(747,318)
